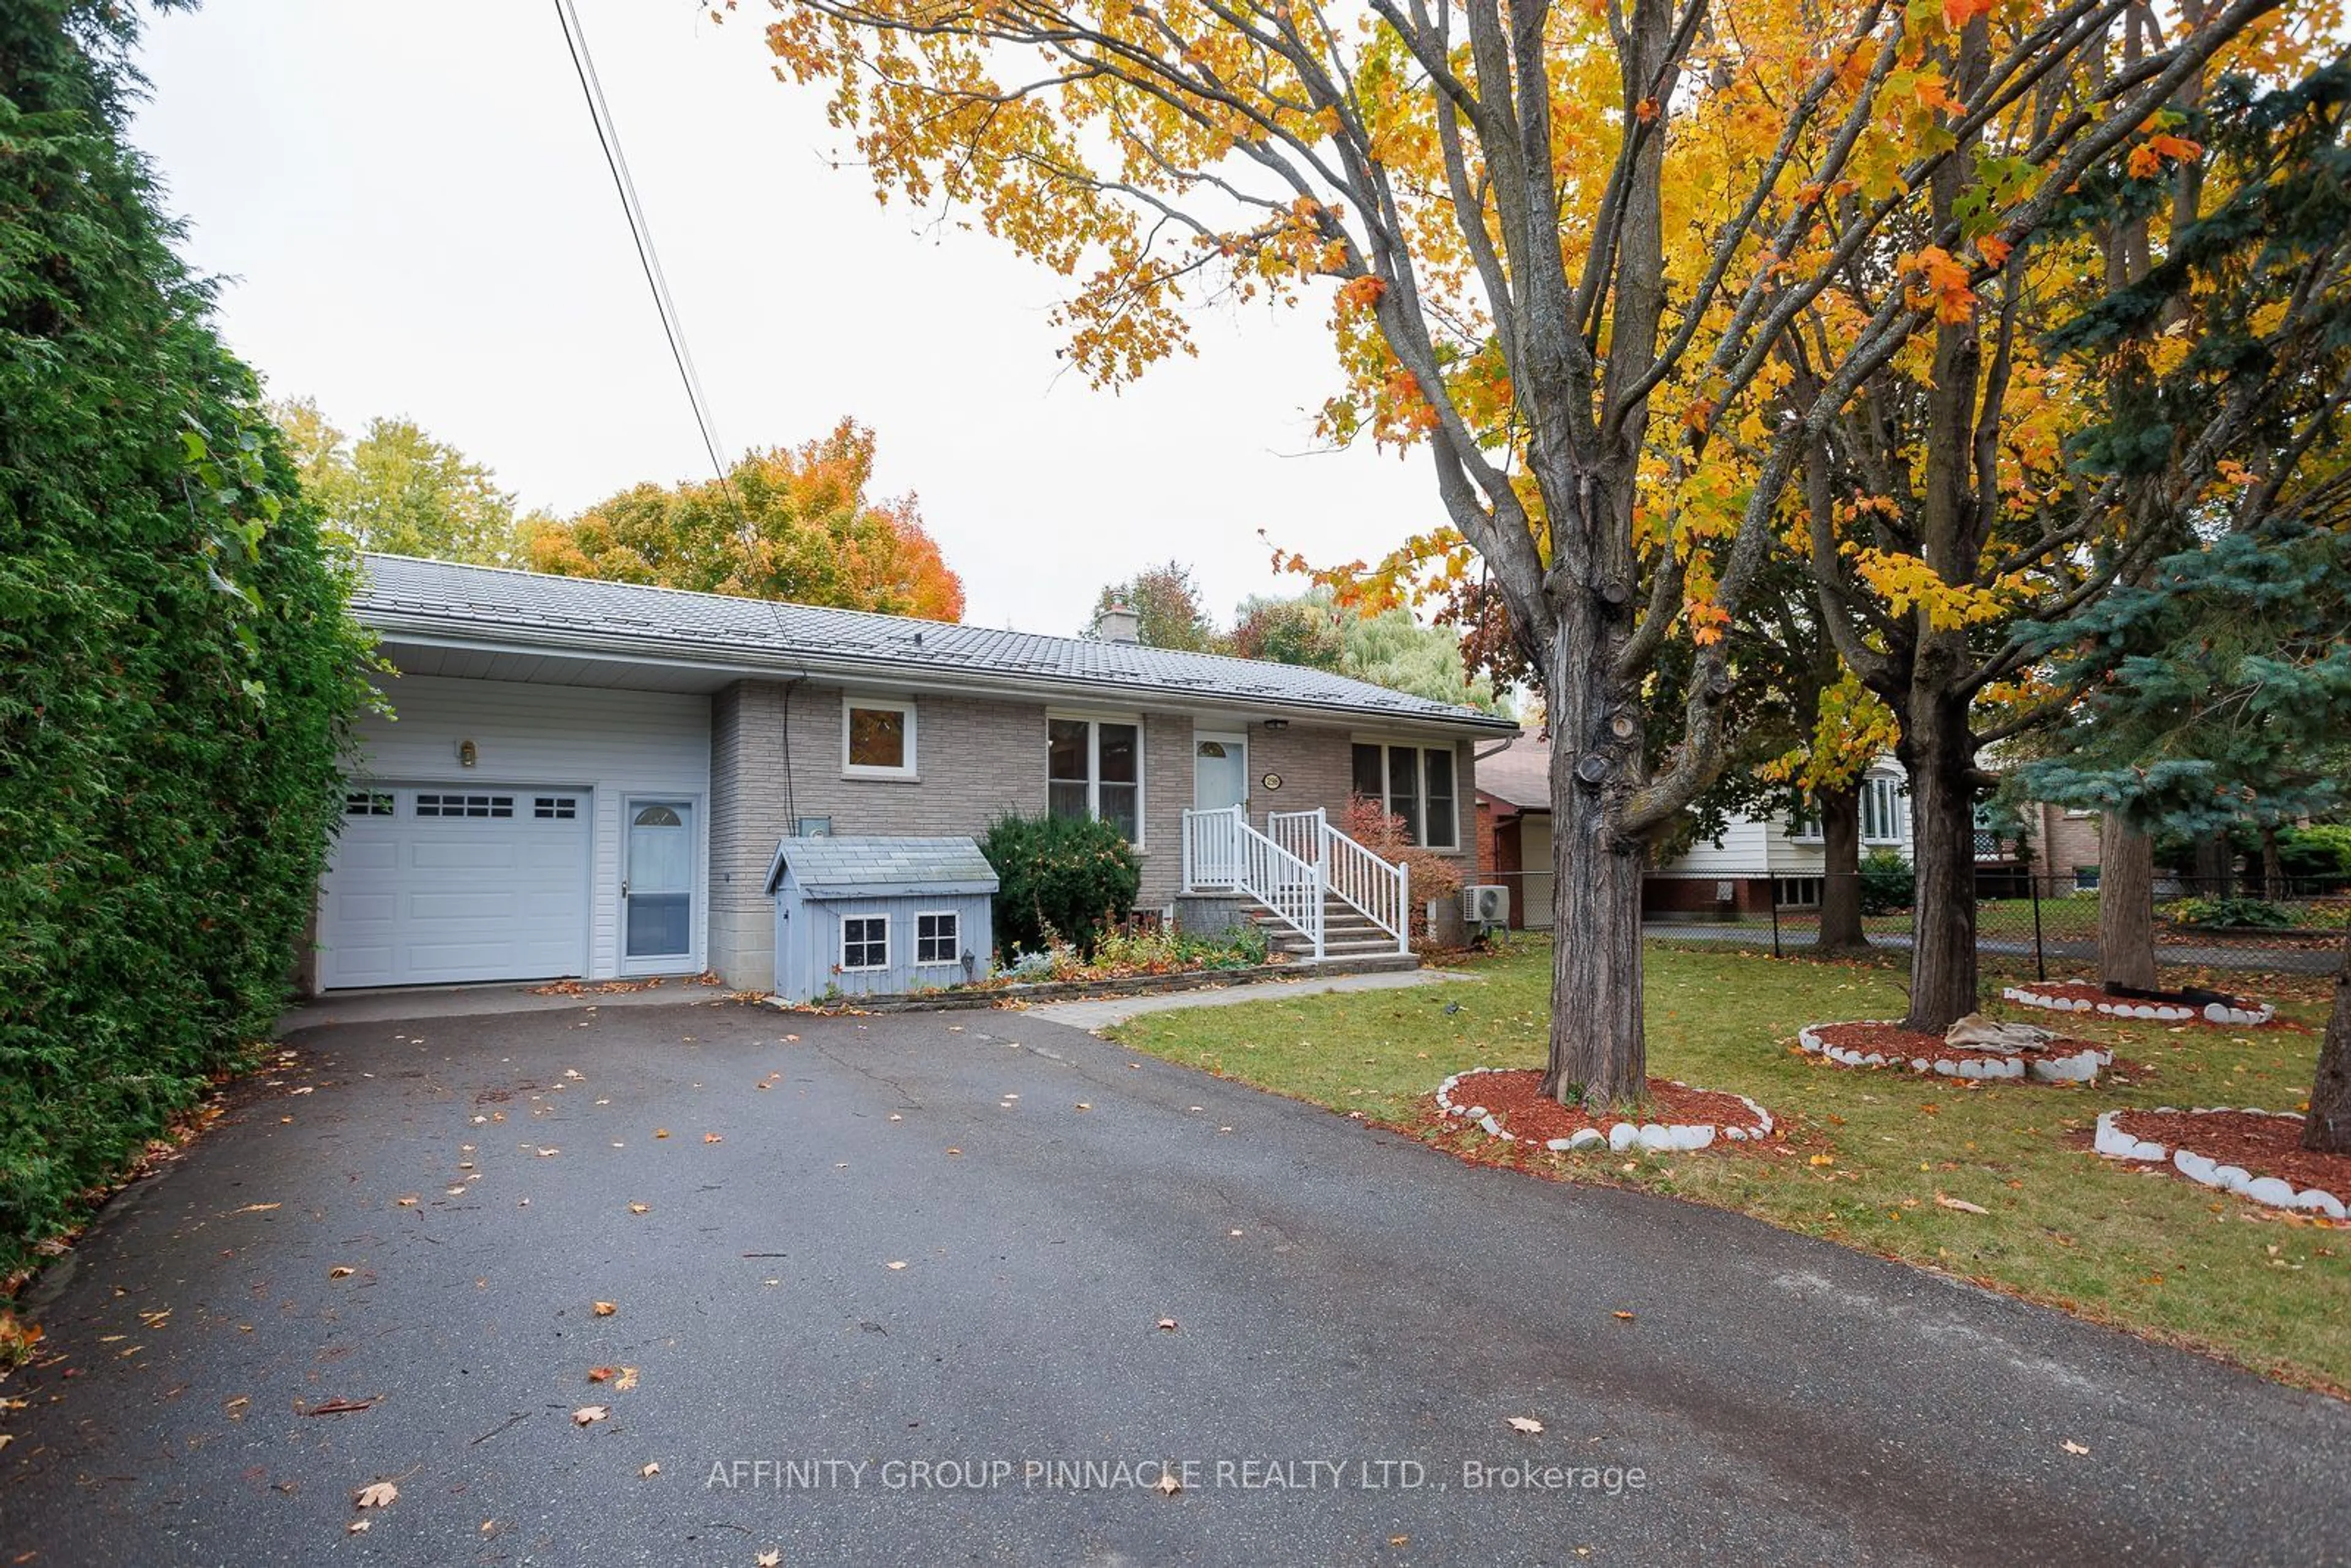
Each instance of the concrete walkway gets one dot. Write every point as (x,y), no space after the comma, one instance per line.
(1101,1014)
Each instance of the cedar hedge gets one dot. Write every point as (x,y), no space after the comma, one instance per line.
(178,668)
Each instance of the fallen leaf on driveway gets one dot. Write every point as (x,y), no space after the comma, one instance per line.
(341,1271)
(356,1527)
(456,1192)
(1525,1424)
(2074,1448)
(651,1469)
(549,1154)
(768,1559)
(712,1138)
(1168,1485)
(606,1308)
(896,1117)
(573,1073)
(1961,1204)
(641,1209)
(1625,1316)
(627,1380)
(1167,1325)
(660,1132)
(897,1265)
(257,1207)
(955,1150)
(381,1494)
(1083,1106)
(586,1414)
(600,1374)
(405,1202)
(339,1407)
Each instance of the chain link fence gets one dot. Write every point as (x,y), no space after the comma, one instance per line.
(2032,921)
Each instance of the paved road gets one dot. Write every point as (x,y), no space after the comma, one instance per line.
(2249,953)
(1342,1297)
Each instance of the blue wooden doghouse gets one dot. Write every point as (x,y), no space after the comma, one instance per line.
(879,916)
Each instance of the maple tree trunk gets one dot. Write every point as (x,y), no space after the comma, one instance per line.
(2125,905)
(1841,928)
(1943,854)
(1598,1055)
(2328,1128)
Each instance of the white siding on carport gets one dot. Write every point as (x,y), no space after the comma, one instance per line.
(612,742)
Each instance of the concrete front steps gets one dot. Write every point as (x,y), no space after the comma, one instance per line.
(1347,936)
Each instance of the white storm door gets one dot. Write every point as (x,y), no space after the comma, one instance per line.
(657,882)
(1219,771)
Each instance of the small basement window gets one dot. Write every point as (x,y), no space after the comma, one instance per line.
(938,938)
(865,942)
(877,739)
(1800,892)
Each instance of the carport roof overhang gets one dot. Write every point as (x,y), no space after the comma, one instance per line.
(422,645)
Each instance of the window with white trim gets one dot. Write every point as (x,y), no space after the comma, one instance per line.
(1798,892)
(1093,767)
(1804,823)
(877,739)
(865,942)
(938,938)
(1416,783)
(1884,810)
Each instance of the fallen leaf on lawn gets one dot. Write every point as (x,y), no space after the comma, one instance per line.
(651,1469)
(1627,1317)
(590,1413)
(606,1308)
(341,1271)
(714,1138)
(1822,1160)
(641,1209)
(2074,1448)
(1167,1484)
(1167,1325)
(600,1374)
(381,1494)
(897,1265)
(1961,1204)
(1525,1424)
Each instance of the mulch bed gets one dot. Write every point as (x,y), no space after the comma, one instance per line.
(1906,1047)
(1517,1103)
(2262,1145)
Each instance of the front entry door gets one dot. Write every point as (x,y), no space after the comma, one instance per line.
(1219,771)
(657,885)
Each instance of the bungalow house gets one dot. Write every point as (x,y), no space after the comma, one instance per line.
(577,778)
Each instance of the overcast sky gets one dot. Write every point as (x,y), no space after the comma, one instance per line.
(409,213)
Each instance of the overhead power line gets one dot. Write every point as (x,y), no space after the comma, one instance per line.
(608,135)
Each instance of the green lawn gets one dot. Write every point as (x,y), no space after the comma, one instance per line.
(1866,1153)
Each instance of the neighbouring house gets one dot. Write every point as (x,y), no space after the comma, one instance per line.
(580,778)
(1758,859)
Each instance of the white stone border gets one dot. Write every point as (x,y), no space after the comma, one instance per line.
(2125,1008)
(1651,1136)
(2275,1191)
(2082,1067)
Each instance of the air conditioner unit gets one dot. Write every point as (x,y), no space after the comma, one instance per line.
(1487,905)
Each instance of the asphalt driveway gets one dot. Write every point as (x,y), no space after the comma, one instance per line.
(896,1292)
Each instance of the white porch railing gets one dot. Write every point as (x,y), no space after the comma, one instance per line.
(1221,850)
(1306,860)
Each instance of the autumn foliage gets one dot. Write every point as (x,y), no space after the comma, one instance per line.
(791,523)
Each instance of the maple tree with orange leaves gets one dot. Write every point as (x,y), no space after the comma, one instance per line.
(1584,222)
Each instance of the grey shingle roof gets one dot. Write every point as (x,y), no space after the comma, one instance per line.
(533,610)
(857,867)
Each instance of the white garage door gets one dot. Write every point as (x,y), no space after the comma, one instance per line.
(432,884)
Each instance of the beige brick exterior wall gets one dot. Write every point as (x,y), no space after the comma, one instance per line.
(976,759)
(2064,842)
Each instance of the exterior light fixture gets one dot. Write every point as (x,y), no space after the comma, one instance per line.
(466,755)
(1277,724)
